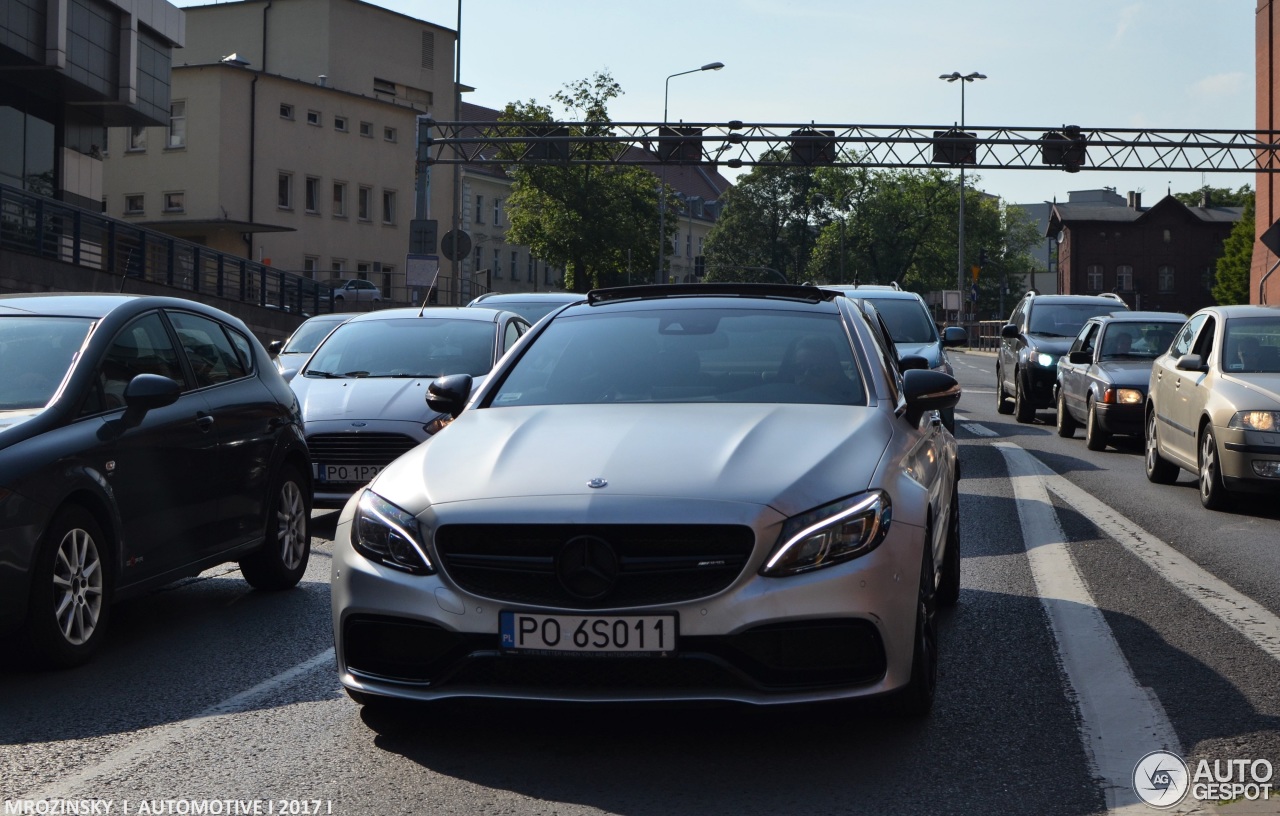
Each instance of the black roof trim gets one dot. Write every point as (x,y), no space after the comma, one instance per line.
(810,294)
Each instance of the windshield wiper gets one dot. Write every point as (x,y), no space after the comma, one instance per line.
(328,375)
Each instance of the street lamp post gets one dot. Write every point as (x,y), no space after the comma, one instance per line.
(964,80)
(660,275)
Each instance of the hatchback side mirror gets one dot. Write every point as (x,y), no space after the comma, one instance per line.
(1191,362)
(1009,330)
(273,348)
(912,362)
(449,394)
(954,336)
(928,391)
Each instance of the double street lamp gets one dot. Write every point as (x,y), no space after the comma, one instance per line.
(660,275)
(964,80)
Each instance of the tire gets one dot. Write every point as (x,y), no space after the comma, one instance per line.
(70,601)
(1213,493)
(1095,439)
(1002,398)
(1066,423)
(1159,469)
(1023,410)
(282,559)
(915,699)
(949,584)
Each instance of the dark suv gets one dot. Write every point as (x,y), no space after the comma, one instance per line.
(1040,330)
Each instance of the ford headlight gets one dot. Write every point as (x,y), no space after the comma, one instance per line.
(1045,360)
(1256,421)
(831,534)
(1123,396)
(384,533)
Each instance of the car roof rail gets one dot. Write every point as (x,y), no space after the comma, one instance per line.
(1113,296)
(788,291)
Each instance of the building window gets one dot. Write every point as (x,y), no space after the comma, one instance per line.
(546,274)
(340,199)
(177,124)
(310,264)
(312,194)
(388,206)
(133,204)
(532,271)
(173,202)
(340,123)
(286,111)
(478,263)
(1168,237)
(688,244)
(497,211)
(384,86)
(388,275)
(364,206)
(1164,278)
(313,117)
(1124,278)
(284,191)
(389,134)
(1207,278)
(366,129)
(479,209)
(497,265)
(515,264)
(137,139)
(1094,274)
(338,265)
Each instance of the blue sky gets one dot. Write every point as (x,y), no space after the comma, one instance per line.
(1171,64)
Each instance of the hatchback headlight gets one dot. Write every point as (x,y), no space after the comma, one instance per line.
(831,534)
(384,533)
(1046,360)
(1256,421)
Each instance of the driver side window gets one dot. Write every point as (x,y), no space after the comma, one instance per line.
(142,347)
(1182,345)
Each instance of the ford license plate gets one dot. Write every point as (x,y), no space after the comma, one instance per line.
(346,473)
(588,634)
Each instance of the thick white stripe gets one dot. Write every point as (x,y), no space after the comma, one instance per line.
(164,736)
(1120,721)
(978,430)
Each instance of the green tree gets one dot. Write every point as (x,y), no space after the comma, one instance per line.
(1218,196)
(1231,280)
(591,220)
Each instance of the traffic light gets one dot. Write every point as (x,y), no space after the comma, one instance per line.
(955,147)
(548,144)
(680,145)
(810,146)
(1067,148)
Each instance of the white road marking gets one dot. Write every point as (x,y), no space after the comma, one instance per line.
(978,430)
(1120,721)
(162,737)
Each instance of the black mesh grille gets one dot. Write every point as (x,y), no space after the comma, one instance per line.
(358,448)
(658,564)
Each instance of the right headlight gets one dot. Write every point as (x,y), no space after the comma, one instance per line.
(831,534)
(389,535)
(1256,421)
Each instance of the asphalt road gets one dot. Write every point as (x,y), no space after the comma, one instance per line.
(1101,618)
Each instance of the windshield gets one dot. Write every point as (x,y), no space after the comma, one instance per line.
(1065,319)
(35,355)
(1130,340)
(309,335)
(1251,345)
(687,355)
(908,320)
(405,347)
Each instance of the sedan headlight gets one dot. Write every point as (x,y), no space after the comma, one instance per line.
(1256,421)
(1123,396)
(1046,360)
(831,534)
(384,533)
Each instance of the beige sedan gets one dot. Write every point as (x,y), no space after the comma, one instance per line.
(1213,405)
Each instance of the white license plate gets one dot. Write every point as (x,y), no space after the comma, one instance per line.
(588,634)
(346,473)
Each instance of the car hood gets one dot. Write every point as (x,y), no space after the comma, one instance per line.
(929,351)
(1266,386)
(364,398)
(790,457)
(1127,373)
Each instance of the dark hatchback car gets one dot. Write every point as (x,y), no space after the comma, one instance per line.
(1102,381)
(1041,330)
(532,306)
(142,440)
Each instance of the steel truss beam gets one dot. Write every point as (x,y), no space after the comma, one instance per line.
(738,144)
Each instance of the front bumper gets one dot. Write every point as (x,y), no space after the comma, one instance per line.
(840,632)
(1238,451)
(1122,420)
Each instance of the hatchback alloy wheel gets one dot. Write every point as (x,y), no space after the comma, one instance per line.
(1213,493)
(1159,469)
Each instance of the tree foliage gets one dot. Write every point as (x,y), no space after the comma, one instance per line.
(1218,196)
(595,222)
(1231,280)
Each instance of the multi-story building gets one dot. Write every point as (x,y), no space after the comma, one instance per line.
(291,137)
(70,69)
(1162,257)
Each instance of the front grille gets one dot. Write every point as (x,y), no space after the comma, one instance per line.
(358,448)
(657,563)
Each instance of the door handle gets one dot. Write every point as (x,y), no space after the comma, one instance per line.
(204,422)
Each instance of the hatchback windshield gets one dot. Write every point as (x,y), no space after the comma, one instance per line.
(1065,319)
(405,347)
(309,335)
(687,355)
(35,355)
(1251,345)
(907,320)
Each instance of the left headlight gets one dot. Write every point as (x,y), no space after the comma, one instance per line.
(830,534)
(1256,421)
(1046,360)
(389,535)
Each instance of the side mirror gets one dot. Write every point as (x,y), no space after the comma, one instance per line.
(912,362)
(1009,330)
(273,348)
(1080,357)
(928,391)
(146,392)
(954,336)
(1191,362)
(449,394)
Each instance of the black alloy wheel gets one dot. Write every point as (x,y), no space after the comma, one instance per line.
(1023,409)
